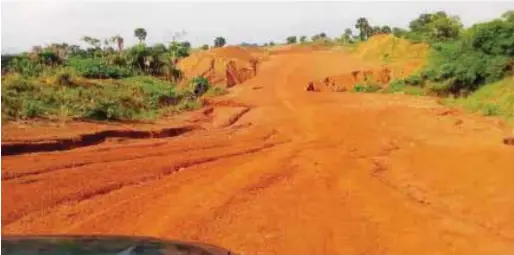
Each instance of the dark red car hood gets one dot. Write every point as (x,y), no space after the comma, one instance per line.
(104,245)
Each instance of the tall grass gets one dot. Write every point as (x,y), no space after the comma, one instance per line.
(496,99)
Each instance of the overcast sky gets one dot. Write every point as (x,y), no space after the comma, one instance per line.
(25,24)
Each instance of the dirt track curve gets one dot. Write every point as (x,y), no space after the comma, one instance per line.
(299,173)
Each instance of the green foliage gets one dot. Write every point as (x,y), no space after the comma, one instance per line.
(199,85)
(385,30)
(215,91)
(482,54)
(399,32)
(494,38)
(24,65)
(97,69)
(490,109)
(365,30)
(219,42)
(128,99)
(414,80)
(291,39)
(490,100)
(140,33)
(435,27)
(396,86)
(320,36)
(63,78)
(303,39)
(205,47)
(366,88)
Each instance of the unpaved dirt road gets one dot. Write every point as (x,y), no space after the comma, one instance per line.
(300,173)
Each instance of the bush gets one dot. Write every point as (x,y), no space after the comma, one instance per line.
(395,86)
(63,78)
(216,91)
(414,80)
(366,88)
(96,69)
(199,85)
(483,54)
(128,99)
(490,109)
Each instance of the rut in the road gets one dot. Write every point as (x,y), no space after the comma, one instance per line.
(83,140)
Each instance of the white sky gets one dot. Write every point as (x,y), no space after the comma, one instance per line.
(25,24)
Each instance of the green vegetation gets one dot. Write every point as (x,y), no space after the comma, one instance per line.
(134,98)
(366,88)
(471,67)
(493,99)
(219,42)
(101,82)
(291,39)
(468,59)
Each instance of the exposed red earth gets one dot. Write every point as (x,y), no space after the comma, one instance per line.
(273,169)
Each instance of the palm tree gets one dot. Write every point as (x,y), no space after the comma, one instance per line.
(140,33)
(364,28)
(119,41)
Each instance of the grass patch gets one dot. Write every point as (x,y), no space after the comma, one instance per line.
(135,98)
(366,88)
(495,99)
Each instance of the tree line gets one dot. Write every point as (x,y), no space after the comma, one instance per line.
(428,27)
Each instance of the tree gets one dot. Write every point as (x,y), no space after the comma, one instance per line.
(508,16)
(319,36)
(158,49)
(219,42)
(291,39)
(186,44)
(399,32)
(435,27)
(303,39)
(494,38)
(374,31)
(119,42)
(347,36)
(178,50)
(74,49)
(140,33)
(385,30)
(91,41)
(272,43)
(364,28)
(205,47)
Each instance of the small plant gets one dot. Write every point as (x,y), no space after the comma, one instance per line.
(366,88)
(414,80)
(63,78)
(490,109)
(199,85)
(396,86)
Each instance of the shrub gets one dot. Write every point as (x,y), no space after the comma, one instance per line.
(367,88)
(216,91)
(199,85)
(490,109)
(128,99)
(414,80)
(95,68)
(483,54)
(395,86)
(63,78)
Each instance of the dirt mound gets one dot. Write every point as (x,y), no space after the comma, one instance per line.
(401,56)
(389,48)
(346,81)
(224,67)
(397,58)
